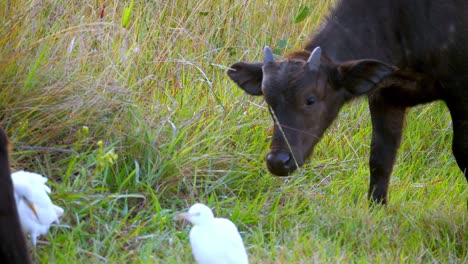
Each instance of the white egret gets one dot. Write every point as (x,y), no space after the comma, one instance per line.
(35,209)
(214,240)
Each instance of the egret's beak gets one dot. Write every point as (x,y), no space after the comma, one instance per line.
(182,216)
(32,207)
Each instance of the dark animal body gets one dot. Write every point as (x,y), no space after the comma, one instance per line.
(12,243)
(399,53)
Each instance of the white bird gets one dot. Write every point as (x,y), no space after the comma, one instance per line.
(35,209)
(214,240)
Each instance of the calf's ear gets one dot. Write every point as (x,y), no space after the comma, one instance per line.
(247,76)
(362,76)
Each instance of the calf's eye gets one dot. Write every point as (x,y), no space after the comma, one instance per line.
(310,100)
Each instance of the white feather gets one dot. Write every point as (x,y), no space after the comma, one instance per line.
(214,240)
(30,188)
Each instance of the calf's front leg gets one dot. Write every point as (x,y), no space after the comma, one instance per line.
(387,124)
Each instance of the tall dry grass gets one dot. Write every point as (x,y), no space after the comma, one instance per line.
(133,118)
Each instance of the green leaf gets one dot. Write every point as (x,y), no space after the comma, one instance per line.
(32,71)
(280,47)
(282,43)
(126,15)
(304,11)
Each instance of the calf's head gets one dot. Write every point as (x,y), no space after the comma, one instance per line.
(304,94)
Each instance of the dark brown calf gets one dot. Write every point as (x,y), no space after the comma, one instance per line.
(399,53)
(12,243)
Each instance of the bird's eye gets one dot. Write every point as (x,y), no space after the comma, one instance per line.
(310,100)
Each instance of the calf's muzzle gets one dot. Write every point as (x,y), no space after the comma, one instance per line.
(280,163)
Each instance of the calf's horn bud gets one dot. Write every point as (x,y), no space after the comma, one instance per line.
(314,59)
(268,55)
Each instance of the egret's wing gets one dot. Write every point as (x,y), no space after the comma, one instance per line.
(32,186)
(235,251)
(200,244)
(37,180)
(30,180)
(46,188)
(46,209)
(58,211)
(29,176)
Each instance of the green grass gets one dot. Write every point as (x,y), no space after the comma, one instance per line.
(132,125)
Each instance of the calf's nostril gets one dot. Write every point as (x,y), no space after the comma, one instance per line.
(284,157)
(279,158)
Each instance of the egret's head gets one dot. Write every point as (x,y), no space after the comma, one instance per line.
(198,214)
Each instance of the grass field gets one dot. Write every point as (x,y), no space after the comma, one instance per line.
(129,112)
